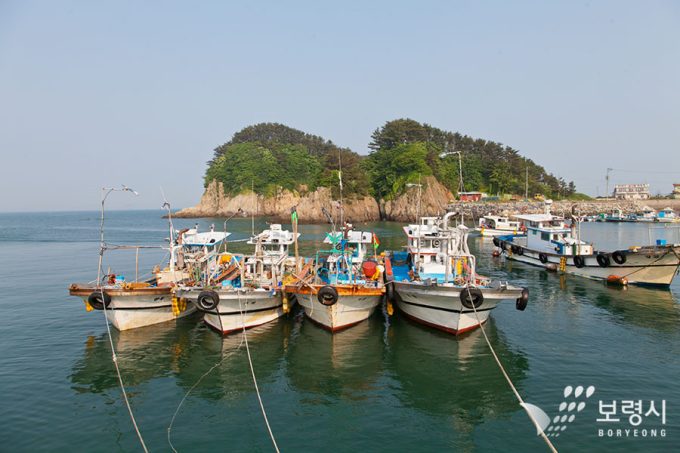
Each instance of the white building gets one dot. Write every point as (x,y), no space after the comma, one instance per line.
(631,191)
(676,191)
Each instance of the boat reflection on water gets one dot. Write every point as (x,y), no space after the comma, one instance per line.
(454,377)
(142,354)
(343,364)
(231,376)
(650,308)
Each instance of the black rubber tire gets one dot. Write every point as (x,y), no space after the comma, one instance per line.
(543,258)
(514,249)
(389,291)
(208,300)
(503,246)
(409,261)
(496,242)
(99,299)
(327,296)
(578,261)
(470,296)
(618,257)
(522,300)
(520,250)
(603,260)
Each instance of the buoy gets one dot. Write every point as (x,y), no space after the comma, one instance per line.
(616,280)
(286,303)
(496,254)
(390,308)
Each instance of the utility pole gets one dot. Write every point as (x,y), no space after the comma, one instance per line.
(526,187)
(607,178)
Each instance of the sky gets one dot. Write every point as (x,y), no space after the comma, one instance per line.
(99,94)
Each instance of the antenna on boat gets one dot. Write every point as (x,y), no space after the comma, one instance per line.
(420,226)
(166,205)
(340,180)
(105,194)
(252,213)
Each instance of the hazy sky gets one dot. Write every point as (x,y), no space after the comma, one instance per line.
(99,94)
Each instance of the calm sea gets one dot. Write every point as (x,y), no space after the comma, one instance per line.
(384,385)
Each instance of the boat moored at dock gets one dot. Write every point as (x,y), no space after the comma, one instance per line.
(435,281)
(554,243)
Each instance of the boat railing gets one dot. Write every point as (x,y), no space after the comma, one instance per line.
(132,247)
(664,227)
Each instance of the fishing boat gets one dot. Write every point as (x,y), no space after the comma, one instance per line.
(134,304)
(648,215)
(345,284)
(667,215)
(618,216)
(240,291)
(494,225)
(435,282)
(555,243)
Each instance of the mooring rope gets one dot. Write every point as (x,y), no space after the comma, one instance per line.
(552,448)
(120,378)
(252,372)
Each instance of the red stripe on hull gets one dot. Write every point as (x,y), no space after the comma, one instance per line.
(445,329)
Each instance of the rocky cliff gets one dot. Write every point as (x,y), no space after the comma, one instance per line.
(436,200)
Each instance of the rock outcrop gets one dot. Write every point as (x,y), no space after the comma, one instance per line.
(435,200)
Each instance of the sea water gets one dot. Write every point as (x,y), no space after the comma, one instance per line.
(386,384)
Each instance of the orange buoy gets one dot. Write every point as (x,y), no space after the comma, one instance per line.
(616,280)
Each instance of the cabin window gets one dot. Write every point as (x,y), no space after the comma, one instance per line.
(545,236)
(533,224)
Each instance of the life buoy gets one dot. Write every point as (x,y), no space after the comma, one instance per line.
(543,258)
(619,257)
(471,295)
(327,296)
(389,291)
(522,300)
(435,244)
(99,299)
(208,300)
(603,260)
(496,242)
(578,261)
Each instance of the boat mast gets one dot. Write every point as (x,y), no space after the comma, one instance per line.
(340,179)
(101,247)
(252,214)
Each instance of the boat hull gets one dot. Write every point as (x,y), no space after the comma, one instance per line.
(354,305)
(135,308)
(441,307)
(239,309)
(651,266)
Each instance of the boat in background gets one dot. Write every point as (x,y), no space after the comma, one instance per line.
(667,215)
(495,225)
(618,216)
(648,215)
(554,243)
(241,291)
(435,281)
(130,305)
(345,284)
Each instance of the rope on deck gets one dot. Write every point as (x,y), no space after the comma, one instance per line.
(552,448)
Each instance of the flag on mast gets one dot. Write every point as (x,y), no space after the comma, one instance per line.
(340,178)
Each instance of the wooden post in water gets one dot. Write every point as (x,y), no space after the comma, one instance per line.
(136,262)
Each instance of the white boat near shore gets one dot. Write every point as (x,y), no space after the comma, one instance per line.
(494,225)
(554,243)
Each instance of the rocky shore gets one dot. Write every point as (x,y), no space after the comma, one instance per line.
(435,200)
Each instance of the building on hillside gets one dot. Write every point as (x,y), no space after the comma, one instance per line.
(631,191)
(470,196)
(676,191)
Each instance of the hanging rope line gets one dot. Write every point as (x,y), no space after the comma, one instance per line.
(120,378)
(252,372)
(552,448)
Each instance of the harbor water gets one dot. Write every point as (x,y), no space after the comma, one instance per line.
(386,384)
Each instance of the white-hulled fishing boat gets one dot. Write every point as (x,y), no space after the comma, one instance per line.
(648,215)
(240,291)
(435,281)
(130,305)
(495,225)
(345,285)
(667,215)
(554,243)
